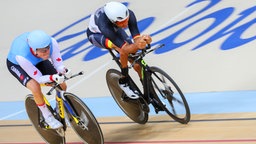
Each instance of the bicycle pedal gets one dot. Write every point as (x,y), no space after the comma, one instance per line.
(136,92)
(157,107)
(160,108)
(44,125)
(125,98)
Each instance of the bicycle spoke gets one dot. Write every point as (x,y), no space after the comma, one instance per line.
(173,109)
(178,101)
(169,95)
(155,86)
(167,89)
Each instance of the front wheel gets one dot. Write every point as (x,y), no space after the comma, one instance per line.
(132,108)
(171,98)
(48,135)
(83,121)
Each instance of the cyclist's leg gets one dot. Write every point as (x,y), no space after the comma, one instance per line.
(124,81)
(49,135)
(46,68)
(121,33)
(137,68)
(101,41)
(26,81)
(33,86)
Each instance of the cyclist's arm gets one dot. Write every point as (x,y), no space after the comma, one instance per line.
(139,41)
(146,38)
(56,57)
(132,48)
(32,71)
(133,27)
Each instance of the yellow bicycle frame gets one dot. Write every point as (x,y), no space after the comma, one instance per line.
(60,105)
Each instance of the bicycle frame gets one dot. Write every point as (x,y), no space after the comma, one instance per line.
(156,90)
(71,110)
(62,103)
(116,59)
(145,71)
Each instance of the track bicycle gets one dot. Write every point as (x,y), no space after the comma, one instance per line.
(69,109)
(159,89)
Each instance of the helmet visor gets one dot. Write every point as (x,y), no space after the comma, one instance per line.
(43,50)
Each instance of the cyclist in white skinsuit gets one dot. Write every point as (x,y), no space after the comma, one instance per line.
(106,30)
(28,61)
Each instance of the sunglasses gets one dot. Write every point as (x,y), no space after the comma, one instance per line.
(122,22)
(43,50)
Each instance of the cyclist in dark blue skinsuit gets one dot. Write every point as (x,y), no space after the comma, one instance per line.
(106,30)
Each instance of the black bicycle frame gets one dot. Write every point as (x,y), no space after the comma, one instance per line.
(146,81)
(145,76)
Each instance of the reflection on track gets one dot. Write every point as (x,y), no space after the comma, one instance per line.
(229,128)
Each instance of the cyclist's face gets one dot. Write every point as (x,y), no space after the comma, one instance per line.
(43,52)
(123,24)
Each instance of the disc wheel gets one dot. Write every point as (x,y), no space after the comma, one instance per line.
(48,135)
(132,108)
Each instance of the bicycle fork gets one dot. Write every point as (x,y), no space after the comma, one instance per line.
(150,92)
(82,121)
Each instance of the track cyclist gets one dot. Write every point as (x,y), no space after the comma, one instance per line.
(107,30)
(34,58)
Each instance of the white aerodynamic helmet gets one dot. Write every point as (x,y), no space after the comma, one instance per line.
(116,11)
(38,39)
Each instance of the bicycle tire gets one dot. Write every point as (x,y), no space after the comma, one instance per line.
(92,135)
(132,108)
(166,91)
(48,135)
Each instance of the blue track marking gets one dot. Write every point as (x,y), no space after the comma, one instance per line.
(200,103)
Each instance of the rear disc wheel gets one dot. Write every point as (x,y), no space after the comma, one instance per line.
(132,108)
(48,135)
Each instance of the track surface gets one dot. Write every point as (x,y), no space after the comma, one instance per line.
(203,128)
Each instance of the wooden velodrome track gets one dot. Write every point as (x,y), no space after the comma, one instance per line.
(206,69)
(203,128)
